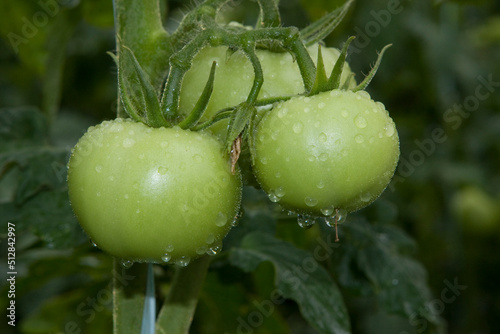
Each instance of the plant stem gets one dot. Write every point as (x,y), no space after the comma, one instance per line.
(139,26)
(178,310)
(128,297)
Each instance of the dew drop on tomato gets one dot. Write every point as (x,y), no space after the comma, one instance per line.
(183,261)
(305,221)
(221,220)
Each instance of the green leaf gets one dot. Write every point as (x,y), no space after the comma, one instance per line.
(373,71)
(318,30)
(202,103)
(334,80)
(35,173)
(299,277)
(21,127)
(238,122)
(142,92)
(372,261)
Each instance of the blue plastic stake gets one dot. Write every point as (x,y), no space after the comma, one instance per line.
(149,314)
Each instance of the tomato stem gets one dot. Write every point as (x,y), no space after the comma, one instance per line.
(178,309)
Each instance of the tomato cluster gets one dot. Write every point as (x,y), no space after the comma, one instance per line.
(167,193)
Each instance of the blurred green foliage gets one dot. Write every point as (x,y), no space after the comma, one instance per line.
(433,235)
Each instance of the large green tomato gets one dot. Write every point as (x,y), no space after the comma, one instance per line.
(332,151)
(234,78)
(145,194)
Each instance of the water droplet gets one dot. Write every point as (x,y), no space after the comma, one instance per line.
(364,93)
(273,198)
(214,250)
(210,239)
(322,137)
(320,185)
(277,175)
(389,130)
(164,144)
(166,257)
(297,127)
(98,194)
(311,158)
(236,221)
(380,135)
(201,250)
(323,157)
(126,263)
(93,243)
(128,142)
(162,170)
(360,122)
(221,219)
(306,110)
(263,160)
(395,281)
(125,196)
(282,112)
(310,201)
(183,261)
(365,197)
(307,99)
(141,156)
(372,139)
(305,221)
(169,248)
(280,192)
(111,178)
(344,113)
(98,168)
(328,211)
(197,158)
(330,221)
(138,211)
(359,139)
(321,105)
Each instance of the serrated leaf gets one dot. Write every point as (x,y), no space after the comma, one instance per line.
(21,127)
(372,260)
(38,198)
(49,215)
(317,295)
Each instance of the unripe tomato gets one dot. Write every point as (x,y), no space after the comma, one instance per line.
(332,151)
(152,194)
(234,78)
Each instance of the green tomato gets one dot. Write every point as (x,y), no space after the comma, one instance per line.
(476,210)
(334,151)
(146,194)
(234,78)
